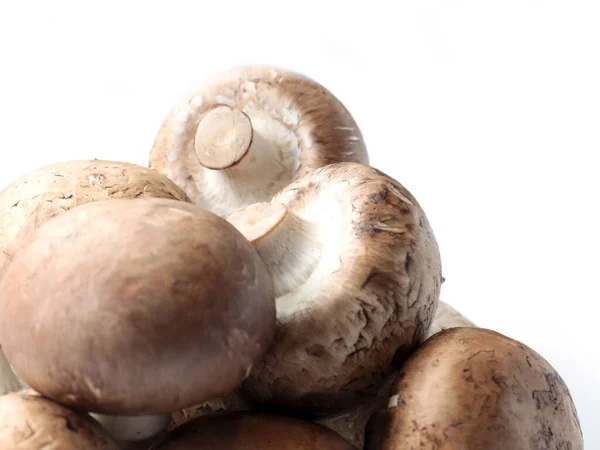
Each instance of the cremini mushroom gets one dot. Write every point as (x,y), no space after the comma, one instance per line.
(31,422)
(241,136)
(250,431)
(38,196)
(228,403)
(356,272)
(42,194)
(447,317)
(469,388)
(111,304)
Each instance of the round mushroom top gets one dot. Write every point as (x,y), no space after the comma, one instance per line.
(357,274)
(31,422)
(475,388)
(261,127)
(251,431)
(135,307)
(44,193)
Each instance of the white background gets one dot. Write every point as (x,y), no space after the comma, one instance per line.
(489,112)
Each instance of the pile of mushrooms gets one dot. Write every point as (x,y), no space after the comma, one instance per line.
(258,286)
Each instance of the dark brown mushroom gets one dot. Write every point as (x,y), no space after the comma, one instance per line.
(469,388)
(251,431)
(240,137)
(135,307)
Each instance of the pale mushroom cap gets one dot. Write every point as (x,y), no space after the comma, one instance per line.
(252,431)
(367,300)
(31,422)
(140,306)
(38,196)
(305,124)
(477,389)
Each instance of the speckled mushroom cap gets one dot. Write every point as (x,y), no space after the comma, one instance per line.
(469,388)
(44,193)
(140,306)
(276,125)
(357,274)
(251,431)
(31,422)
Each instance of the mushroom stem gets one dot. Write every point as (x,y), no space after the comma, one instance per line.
(288,244)
(247,160)
(133,428)
(8,379)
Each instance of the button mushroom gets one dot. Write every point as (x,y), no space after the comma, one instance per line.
(44,193)
(447,317)
(469,388)
(135,307)
(357,274)
(251,431)
(31,422)
(242,136)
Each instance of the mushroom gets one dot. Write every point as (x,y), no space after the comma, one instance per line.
(447,317)
(46,192)
(250,431)
(166,305)
(357,274)
(31,422)
(472,388)
(242,136)
(38,196)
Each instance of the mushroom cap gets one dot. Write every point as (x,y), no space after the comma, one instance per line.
(477,389)
(367,304)
(44,193)
(310,126)
(31,422)
(251,431)
(135,307)
(228,403)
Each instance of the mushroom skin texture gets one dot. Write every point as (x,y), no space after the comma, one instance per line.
(242,136)
(166,305)
(447,317)
(228,403)
(469,388)
(31,422)
(357,274)
(38,196)
(251,431)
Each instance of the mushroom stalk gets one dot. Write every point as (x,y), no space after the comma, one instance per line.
(133,428)
(247,160)
(288,244)
(8,380)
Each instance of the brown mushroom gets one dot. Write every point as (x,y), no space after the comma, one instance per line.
(44,193)
(447,317)
(242,136)
(250,431)
(228,403)
(356,272)
(469,388)
(135,307)
(31,422)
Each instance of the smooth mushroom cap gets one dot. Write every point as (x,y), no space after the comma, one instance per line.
(135,307)
(228,403)
(242,136)
(31,422)
(251,431)
(447,317)
(357,274)
(469,388)
(38,196)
